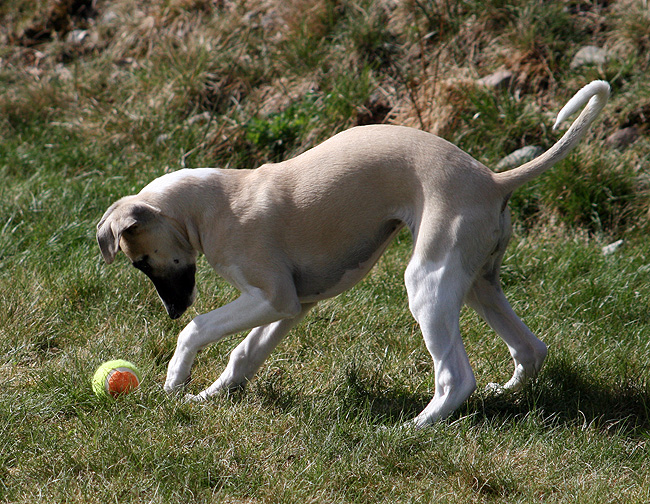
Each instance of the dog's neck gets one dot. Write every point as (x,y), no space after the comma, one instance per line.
(181,196)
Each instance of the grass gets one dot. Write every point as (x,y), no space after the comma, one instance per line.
(174,83)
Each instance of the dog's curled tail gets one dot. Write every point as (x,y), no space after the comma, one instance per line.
(595,95)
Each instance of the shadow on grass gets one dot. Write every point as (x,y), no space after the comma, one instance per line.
(572,394)
(564,393)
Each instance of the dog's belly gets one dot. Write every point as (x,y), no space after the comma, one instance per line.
(315,283)
(312,289)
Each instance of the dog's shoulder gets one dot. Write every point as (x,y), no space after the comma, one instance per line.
(183,176)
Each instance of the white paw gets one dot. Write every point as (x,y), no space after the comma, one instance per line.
(399,428)
(191,398)
(176,384)
(173,388)
(495,388)
(170,388)
(412,425)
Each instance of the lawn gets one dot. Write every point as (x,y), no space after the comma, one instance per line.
(97,99)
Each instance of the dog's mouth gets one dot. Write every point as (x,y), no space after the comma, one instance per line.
(177,291)
(175,310)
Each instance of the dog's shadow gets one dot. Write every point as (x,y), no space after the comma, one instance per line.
(563,394)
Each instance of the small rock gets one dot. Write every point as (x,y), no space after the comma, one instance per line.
(589,55)
(519,157)
(161,139)
(82,38)
(63,73)
(497,80)
(109,17)
(128,62)
(622,138)
(612,247)
(203,117)
(76,37)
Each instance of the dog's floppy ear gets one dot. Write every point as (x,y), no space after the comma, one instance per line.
(120,217)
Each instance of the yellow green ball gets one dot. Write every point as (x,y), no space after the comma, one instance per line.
(115,378)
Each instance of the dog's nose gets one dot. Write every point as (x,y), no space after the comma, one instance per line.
(173,312)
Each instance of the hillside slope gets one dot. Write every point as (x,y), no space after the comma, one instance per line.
(239,83)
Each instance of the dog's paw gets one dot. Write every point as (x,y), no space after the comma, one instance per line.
(410,425)
(191,398)
(176,387)
(495,389)
(172,389)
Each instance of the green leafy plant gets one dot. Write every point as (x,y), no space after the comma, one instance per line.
(280,132)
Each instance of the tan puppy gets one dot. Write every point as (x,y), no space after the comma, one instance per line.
(290,234)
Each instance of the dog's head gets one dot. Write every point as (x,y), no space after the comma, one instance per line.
(156,245)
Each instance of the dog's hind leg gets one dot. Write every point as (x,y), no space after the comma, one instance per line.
(436,291)
(527,351)
(246,359)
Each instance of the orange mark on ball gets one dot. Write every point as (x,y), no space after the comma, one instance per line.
(121,382)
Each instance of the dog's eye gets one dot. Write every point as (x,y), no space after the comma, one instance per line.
(176,261)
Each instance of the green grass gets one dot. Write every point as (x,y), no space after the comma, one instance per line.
(309,427)
(83,126)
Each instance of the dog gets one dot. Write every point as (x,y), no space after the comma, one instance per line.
(288,235)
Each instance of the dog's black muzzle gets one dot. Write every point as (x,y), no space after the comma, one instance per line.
(176,290)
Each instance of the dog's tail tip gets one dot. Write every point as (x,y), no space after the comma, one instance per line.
(594,95)
(595,90)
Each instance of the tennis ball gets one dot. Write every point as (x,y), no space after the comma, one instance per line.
(116,377)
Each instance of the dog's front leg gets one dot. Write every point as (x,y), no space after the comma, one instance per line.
(251,309)
(250,354)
